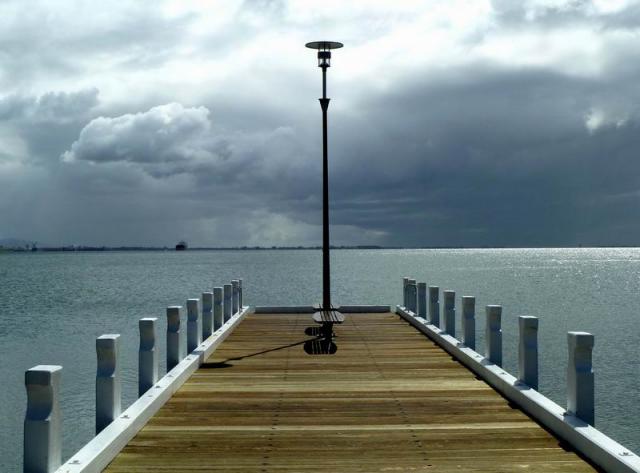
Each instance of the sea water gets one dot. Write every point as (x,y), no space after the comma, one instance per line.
(54,305)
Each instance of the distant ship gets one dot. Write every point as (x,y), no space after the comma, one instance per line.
(181,246)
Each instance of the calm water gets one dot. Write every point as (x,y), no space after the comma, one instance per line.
(53,306)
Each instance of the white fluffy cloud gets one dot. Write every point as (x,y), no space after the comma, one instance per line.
(167,134)
(171,139)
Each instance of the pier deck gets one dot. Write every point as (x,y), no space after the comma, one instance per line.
(388,400)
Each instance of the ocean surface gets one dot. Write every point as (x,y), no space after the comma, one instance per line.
(54,305)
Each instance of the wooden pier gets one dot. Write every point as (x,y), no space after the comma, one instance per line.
(389,400)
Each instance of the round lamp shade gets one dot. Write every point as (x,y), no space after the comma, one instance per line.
(324,45)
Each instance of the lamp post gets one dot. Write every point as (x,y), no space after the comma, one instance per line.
(324,61)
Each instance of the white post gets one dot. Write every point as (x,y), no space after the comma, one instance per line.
(528,351)
(580,380)
(193,327)
(108,386)
(469,321)
(218,319)
(207,314)
(42,422)
(449,313)
(405,282)
(235,296)
(174,349)
(412,296)
(240,301)
(493,334)
(226,303)
(422,300)
(147,355)
(434,306)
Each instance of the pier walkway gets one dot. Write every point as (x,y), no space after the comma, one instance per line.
(389,400)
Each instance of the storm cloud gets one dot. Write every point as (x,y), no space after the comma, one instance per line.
(451,124)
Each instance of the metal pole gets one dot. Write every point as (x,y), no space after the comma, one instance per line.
(326,281)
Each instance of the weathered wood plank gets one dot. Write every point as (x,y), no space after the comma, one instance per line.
(388,400)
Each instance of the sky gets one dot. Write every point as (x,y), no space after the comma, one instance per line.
(451,123)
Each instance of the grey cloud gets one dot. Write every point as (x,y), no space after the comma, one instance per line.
(47,123)
(51,107)
(563,15)
(476,153)
(64,42)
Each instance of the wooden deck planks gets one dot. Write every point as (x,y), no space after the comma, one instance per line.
(389,400)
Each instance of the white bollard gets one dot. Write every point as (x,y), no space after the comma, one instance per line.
(174,345)
(412,296)
(493,334)
(235,296)
(108,385)
(207,314)
(405,282)
(226,302)
(449,312)
(240,300)
(580,380)
(422,300)
(193,327)
(218,319)
(42,422)
(469,321)
(147,355)
(434,306)
(528,351)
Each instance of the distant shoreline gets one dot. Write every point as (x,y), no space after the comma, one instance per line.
(62,249)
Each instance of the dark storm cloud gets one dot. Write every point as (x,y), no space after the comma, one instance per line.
(482,157)
(497,158)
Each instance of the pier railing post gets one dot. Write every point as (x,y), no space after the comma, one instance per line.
(493,334)
(528,351)
(235,296)
(193,327)
(449,312)
(412,296)
(405,282)
(422,300)
(174,349)
(469,321)
(108,385)
(240,301)
(207,314)
(227,301)
(147,355)
(42,423)
(434,306)
(580,380)
(218,319)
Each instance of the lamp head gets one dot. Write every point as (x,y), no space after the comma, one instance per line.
(324,51)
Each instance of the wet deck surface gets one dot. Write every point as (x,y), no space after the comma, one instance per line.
(389,400)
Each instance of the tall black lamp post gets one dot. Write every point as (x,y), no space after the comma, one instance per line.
(324,61)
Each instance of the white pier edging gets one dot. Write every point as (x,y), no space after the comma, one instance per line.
(584,438)
(103,448)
